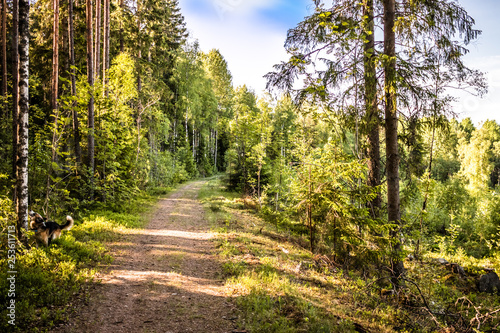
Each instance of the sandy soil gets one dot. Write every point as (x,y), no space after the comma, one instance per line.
(164,278)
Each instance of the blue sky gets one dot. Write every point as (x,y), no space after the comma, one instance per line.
(485,56)
(250,35)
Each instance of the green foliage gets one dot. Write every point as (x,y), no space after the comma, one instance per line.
(167,112)
(281,287)
(461,207)
(249,130)
(49,277)
(187,163)
(159,100)
(329,183)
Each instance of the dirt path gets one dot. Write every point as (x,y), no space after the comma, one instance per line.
(163,279)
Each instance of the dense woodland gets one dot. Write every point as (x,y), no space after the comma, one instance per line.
(356,146)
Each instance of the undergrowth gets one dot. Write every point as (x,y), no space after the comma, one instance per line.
(48,279)
(280,286)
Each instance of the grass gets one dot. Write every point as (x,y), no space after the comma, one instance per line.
(280,286)
(49,279)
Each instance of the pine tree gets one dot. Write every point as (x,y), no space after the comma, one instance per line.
(15,85)
(97,40)
(90,80)
(76,122)
(106,44)
(4,53)
(55,56)
(391,134)
(371,121)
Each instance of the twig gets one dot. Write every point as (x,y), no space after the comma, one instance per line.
(481,319)
(420,292)
(433,317)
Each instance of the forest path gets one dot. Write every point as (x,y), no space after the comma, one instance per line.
(163,278)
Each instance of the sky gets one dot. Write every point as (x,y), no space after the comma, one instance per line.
(250,35)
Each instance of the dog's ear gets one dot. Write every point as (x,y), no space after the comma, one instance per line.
(36,218)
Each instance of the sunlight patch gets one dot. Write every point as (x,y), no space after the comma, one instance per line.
(169,279)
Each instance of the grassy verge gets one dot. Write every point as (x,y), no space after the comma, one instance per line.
(279,286)
(49,279)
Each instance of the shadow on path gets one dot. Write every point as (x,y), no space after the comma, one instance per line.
(164,278)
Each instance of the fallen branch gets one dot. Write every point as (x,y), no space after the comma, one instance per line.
(479,318)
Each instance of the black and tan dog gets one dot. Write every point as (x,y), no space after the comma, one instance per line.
(46,231)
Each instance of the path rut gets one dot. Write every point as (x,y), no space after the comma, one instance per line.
(164,277)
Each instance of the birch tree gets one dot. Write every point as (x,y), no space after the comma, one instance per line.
(22,133)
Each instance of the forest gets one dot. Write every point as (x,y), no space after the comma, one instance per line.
(355,155)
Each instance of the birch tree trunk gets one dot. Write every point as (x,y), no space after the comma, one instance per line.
(22,140)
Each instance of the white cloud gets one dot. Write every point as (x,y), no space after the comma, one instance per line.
(250,46)
(488,107)
(241,8)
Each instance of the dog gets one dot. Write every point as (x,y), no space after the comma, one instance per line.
(47,231)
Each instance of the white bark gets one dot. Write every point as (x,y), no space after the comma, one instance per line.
(22,131)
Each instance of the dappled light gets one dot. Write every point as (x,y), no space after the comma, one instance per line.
(161,274)
(170,233)
(147,186)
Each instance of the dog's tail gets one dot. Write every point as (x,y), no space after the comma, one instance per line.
(68,224)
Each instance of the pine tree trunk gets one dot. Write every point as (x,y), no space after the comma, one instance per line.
(22,141)
(140,109)
(122,47)
(258,185)
(97,47)
(76,123)
(371,117)
(90,78)
(105,64)
(15,84)
(55,90)
(216,135)
(186,117)
(139,123)
(55,55)
(4,54)
(391,133)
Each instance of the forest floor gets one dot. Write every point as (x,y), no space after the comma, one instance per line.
(207,262)
(164,278)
